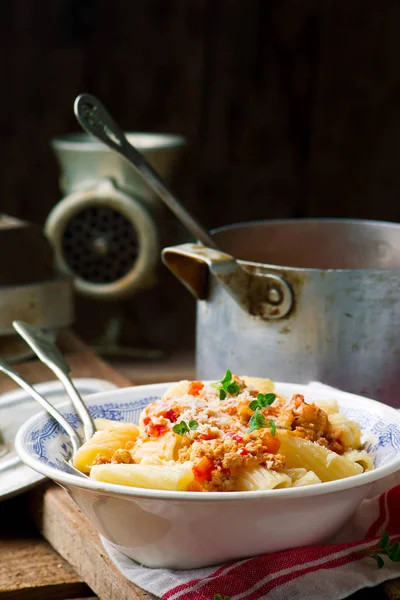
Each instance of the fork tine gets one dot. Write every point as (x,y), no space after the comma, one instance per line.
(74,437)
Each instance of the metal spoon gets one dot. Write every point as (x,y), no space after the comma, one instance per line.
(95,119)
(49,354)
(69,430)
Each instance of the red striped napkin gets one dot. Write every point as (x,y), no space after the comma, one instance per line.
(331,571)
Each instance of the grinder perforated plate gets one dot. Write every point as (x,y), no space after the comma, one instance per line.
(100,245)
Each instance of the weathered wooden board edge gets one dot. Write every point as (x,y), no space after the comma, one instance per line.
(72,535)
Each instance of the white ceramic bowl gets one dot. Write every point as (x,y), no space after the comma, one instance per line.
(185,530)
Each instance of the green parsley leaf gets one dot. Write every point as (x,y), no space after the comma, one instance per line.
(228,377)
(257,421)
(266,399)
(262,401)
(384,542)
(273,426)
(392,551)
(225,381)
(379,560)
(226,386)
(182,428)
(234,388)
(254,405)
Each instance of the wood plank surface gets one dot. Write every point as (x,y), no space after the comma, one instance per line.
(67,529)
(392,589)
(29,568)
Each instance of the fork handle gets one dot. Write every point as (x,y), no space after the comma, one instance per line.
(74,437)
(82,410)
(49,354)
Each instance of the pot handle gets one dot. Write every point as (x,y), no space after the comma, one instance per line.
(257,292)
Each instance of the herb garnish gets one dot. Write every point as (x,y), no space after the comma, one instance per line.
(392,551)
(219,597)
(257,421)
(182,428)
(262,401)
(227,386)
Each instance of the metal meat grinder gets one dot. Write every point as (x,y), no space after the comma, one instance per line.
(108,230)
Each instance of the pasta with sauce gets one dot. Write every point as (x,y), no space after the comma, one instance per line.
(233,435)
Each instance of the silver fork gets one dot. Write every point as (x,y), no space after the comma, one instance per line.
(50,355)
(61,420)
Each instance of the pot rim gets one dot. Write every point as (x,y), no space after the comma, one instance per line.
(285,268)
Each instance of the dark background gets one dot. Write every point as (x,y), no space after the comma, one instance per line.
(290,108)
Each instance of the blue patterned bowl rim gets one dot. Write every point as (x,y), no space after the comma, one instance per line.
(43,445)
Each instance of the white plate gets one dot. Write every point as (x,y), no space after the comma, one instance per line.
(16,408)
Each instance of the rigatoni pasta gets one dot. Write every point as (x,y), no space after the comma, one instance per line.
(110,437)
(327,465)
(351,434)
(163,447)
(261,478)
(163,477)
(236,434)
(309,478)
(361,457)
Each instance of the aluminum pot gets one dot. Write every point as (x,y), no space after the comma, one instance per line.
(300,301)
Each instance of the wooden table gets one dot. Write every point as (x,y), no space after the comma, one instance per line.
(48,549)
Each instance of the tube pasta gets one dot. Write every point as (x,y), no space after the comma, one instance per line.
(362,458)
(350,431)
(261,478)
(104,443)
(296,473)
(178,389)
(106,424)
(261,384)
(309,478)
(327,465)
(301,476)
(329,406)
(162,477)
(162,448)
